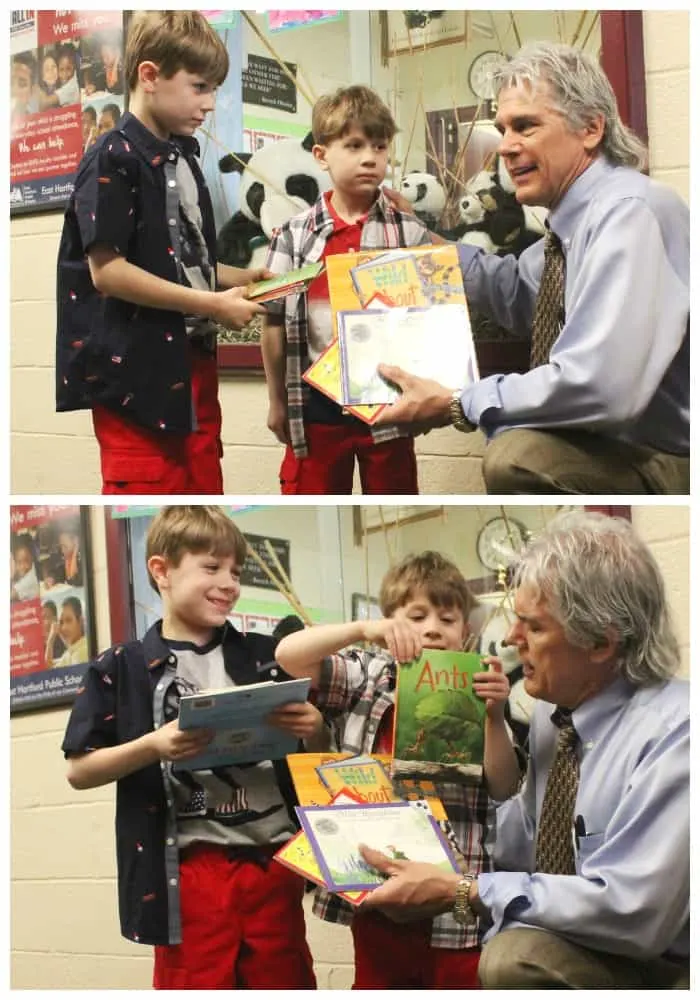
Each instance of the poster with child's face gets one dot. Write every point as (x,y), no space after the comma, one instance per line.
(66,88)
(51,633)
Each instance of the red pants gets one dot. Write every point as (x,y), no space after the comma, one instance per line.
(392,955)
(242,926)
(137,460)
(389,467)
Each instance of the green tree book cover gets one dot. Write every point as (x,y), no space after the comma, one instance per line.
(438,717)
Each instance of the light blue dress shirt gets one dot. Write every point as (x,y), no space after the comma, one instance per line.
(631,892)
(621,363)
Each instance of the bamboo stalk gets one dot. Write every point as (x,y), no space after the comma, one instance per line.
(579,26)
(286,592)
(249,169)
(254,28)
(596,15)
(516,33)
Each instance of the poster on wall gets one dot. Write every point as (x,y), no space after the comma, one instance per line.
(267,85)
(66,88)
(51,621)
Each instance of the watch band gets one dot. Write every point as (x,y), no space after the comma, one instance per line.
(462,910)
(457,413)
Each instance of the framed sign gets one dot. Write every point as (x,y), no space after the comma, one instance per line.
(51,620)
(66,88)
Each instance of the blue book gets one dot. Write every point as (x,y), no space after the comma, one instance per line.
(238,714)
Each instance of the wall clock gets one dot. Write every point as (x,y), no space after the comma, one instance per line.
(500,542)
(480,75)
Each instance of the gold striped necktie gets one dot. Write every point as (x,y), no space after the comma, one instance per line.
(554,852)
(549,306)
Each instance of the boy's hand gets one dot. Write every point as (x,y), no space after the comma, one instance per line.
(301,719)
(277,420)
(396,635)
(253,274)
(232,309)
(493,686)
(173,743)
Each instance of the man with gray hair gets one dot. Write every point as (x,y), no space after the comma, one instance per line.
(604,299)
(592,855)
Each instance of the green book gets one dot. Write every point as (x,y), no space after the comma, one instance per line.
(284,284)
(438,717)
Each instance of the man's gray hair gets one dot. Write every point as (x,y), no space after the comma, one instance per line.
(580,91)
(596,575)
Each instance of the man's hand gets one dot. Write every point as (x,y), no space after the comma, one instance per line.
(413,891)
(173,743)
(396,635)
(423,403)
(493,686)
(277,420)
(232,309)
(301,719)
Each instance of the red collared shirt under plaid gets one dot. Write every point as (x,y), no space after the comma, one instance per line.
(301,241)
(356,690)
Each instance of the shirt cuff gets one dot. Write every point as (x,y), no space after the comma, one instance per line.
(505,894)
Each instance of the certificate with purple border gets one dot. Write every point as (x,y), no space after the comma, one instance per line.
(401,830)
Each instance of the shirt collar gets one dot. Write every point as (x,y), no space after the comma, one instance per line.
(155,150)
(592,715)
(157,651)
(564,218)
(324,217)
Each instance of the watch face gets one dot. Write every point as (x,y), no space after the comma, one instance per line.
(500,542)
(481,74)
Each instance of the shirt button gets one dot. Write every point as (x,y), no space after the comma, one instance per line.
(172,659)
(172,156)
(171,184)
(173,881)
(170,841)
(168,802)
(159,687)
(171,222)
(273,672)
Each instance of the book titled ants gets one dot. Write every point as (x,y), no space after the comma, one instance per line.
(438,717)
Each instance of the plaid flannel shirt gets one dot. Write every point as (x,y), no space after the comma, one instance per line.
(302,241)
(356,689)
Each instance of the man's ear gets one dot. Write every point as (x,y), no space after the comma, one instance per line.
(605,649)
(158,568)
(148,73)
(593,133)
(319,154)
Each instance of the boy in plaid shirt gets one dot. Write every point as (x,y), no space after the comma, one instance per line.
(352,129)
(427,604)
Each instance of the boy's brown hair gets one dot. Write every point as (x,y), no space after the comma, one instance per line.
(177,531)
(433,575)
(335,114)
(174,40)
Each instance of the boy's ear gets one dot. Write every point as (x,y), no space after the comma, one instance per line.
(158,568)
(319,154)
(148,73)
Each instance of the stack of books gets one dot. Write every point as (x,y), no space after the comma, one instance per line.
(398,307)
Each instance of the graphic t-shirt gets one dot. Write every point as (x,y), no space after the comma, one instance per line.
(236,806)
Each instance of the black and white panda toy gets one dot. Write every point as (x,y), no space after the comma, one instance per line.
(278,181)
(426,194)
(493,218)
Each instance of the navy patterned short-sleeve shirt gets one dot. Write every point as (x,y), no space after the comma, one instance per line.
(110,352)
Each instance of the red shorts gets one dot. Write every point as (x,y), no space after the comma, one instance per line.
(242,926)
(137,460)
(388,467)
(392,955)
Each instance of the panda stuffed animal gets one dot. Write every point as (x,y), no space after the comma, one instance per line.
(426,194)
(493,218)
(277,182)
